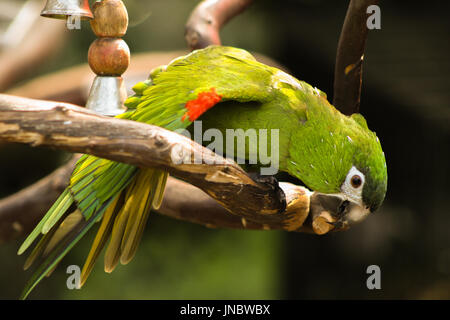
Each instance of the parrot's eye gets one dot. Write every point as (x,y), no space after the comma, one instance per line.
(353,185)
(356,181)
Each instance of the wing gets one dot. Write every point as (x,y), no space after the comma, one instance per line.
(178,94)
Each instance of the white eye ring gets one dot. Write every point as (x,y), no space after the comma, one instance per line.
(350,188)
(355,179)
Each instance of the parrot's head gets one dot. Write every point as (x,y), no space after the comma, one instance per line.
(364,186)
(362,192)
(345,167)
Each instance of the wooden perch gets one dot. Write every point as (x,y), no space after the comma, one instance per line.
(350,57)
(205,22)
(257,206)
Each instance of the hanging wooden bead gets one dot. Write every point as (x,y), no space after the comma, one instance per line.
(109,57)
(111,19)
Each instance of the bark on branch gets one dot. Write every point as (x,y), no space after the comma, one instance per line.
(205,22)
(350,57)
(76,129)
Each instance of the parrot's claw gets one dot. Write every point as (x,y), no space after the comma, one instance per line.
(340,224)
(264,179)
(340,215)
(273,184)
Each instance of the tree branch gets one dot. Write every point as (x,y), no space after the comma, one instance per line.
(203,26)
(21,120)
(350,56)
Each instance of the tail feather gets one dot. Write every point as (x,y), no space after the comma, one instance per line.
(103,181)
(63,230)
(101,237)
(61,248)
(119,179)
(58,213)
(139,210)
(159,191)
(38,249)
(49,240)
(91,177)
(117,194)
(112,253)
(38,229)
(130,221)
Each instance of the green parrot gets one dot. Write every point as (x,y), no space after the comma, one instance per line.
(225,87)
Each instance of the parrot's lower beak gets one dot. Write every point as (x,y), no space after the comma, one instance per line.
(356,213)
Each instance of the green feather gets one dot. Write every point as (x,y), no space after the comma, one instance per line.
(38,229)
(57,214)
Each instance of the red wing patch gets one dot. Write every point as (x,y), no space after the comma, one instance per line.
(205,100)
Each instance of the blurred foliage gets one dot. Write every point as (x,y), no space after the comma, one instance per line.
(406,101)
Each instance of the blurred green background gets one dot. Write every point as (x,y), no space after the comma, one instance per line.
(405,99)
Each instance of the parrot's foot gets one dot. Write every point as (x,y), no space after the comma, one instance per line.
(340,215)
(338,224)
(273,184)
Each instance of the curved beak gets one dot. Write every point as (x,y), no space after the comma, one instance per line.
(346,211)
